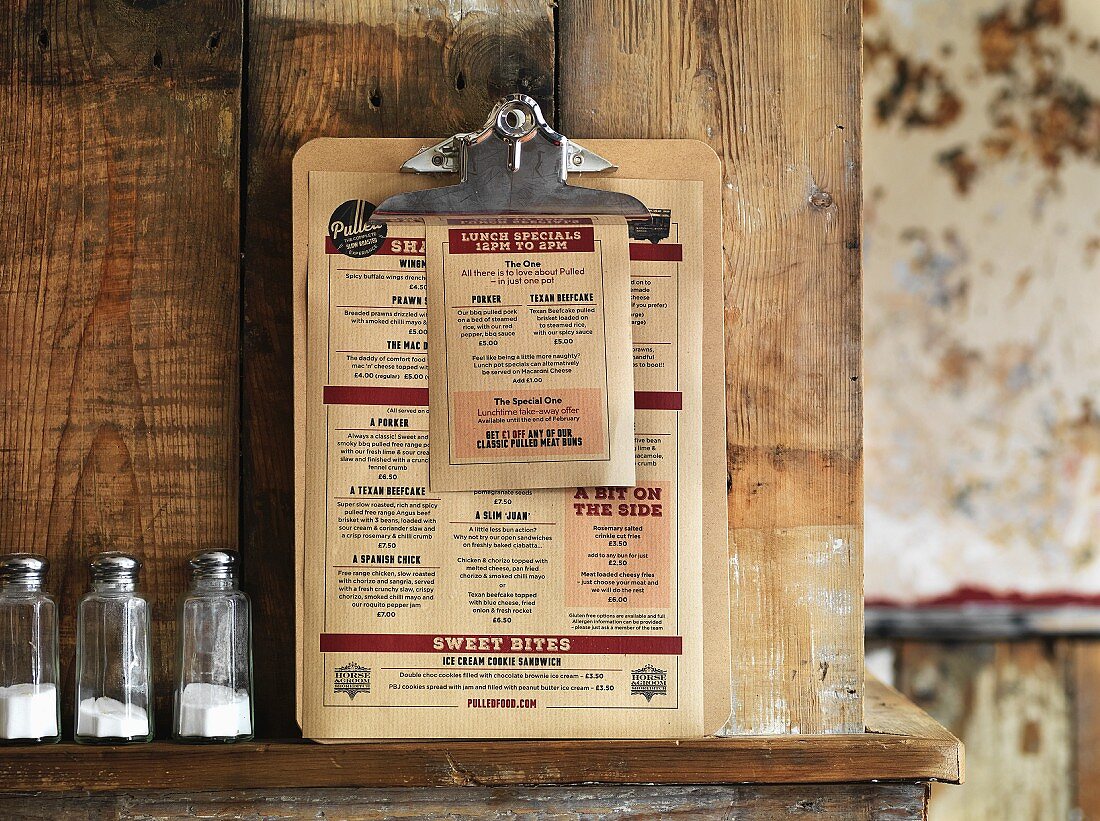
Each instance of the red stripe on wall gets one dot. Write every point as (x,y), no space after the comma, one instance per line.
(979,596)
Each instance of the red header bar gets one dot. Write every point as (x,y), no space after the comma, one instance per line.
(507,645)
(418,397)
(356,395)
(548,239)
(658,400)
(664,252)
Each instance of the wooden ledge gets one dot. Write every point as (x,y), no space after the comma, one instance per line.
(902,743)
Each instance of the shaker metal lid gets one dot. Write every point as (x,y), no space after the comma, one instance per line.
(114,566)
(23,568)
(214,564)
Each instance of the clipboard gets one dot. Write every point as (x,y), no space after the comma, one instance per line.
(633,159)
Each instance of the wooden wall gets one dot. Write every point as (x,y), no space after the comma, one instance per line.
(119,291)
(145,264)
(773,88)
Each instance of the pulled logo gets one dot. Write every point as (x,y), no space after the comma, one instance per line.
(648,681)
(351,231)
(352,679)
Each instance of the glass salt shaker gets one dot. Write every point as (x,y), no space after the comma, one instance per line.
(214,689)
(29,711)
(114,683)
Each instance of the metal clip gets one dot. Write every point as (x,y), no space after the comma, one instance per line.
(516,164)
(512,119)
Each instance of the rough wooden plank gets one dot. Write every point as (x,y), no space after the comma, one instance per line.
(369,69)
(774,88)
(896,802)
(787,759)
(119,292)
(1086,712)
(1008,702)
(902,744)
(888,711)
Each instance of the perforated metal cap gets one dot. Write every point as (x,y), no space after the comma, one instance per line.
(23,568)
(215,564)
(114,567)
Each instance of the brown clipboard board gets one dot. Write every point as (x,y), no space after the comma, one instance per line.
(634,159)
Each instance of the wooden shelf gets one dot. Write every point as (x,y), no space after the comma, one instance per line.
(902,743)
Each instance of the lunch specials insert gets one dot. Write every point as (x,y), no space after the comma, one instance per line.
(530,383)
(555,613)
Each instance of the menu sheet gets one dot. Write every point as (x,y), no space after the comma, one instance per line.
(530,378)
(573,612)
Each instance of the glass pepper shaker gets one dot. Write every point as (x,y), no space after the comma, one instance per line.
(114,682)
(29,711)
(214,688)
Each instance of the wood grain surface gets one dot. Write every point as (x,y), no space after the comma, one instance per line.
(119,293)
(901,744)
(864,802)
(773,87)
(1085,659)
(372,69)
(304,765)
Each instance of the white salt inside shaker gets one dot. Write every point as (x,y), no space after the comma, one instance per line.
(28,711)
(214,711)
(109,718)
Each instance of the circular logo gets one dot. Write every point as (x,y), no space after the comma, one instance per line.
(351,231)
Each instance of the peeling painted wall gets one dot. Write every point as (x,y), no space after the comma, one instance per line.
(982,299)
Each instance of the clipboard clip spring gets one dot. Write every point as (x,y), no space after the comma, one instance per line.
(512,119)
(515,164)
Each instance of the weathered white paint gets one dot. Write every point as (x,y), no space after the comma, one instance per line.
(982,309)
(880,662)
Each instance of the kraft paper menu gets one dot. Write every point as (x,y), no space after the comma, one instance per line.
(580,612)
(530,382)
